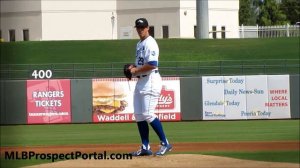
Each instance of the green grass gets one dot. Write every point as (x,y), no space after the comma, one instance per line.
(120,133)
(106,51)
(105,58)
(200,131)
(21,163)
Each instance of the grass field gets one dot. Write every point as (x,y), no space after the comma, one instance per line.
(106,51)
(105,58)
(200,131)
(170,50)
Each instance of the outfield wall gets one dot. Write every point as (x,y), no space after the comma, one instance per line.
(75,103)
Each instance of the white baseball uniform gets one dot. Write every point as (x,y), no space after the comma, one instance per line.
(149,84)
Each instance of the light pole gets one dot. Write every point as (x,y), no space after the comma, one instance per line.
(202,19)
(112,25)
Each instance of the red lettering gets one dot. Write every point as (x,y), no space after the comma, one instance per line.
(279,98)
(278,91)
(280,104)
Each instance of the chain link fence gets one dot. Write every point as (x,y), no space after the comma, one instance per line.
(166,68)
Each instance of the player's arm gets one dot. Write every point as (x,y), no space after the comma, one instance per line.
(144,68)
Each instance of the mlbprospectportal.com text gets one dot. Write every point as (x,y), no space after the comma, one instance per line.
(31,155)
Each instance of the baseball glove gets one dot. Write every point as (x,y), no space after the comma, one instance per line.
(127,72)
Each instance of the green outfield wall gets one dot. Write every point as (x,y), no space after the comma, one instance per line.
(294,86)
(14,100)
(81,92)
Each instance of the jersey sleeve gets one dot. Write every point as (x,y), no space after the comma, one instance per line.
(152,53)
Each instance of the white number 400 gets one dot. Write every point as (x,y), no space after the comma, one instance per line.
(41,74)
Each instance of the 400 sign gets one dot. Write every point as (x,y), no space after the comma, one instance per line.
(42,74)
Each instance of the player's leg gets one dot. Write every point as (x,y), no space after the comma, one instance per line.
(143,127)
(165,145)
(144,134)
(149,104)
(141,123)
(158,128)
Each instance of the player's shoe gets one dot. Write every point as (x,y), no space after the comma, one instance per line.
(142,152)
(164,148)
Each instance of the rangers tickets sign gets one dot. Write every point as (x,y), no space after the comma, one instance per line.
(246,97)
(48,101)
(113,100)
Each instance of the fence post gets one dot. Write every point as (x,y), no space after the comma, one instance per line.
(94,73)
(287,30)
(28,70)
(177,70)
(111,69)
(198,68)
(257,34)
(52,69)
(285,64)
(220,67)
(243,67)
(8,70)
(243,31)
(73,70)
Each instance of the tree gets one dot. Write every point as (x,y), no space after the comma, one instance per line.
(270,14)
(291,8)
(244,12)
(247,15)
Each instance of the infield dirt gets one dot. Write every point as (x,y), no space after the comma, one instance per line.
(172,160)
(177,147)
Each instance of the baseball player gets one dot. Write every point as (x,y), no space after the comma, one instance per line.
(147,90)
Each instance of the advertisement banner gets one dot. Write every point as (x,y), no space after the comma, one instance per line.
(213,101)
(279,96)
(48,101)
(246,97)
(113,100)
(235,100)
(256,95)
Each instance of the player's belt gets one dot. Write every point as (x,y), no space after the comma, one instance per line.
(141,76)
